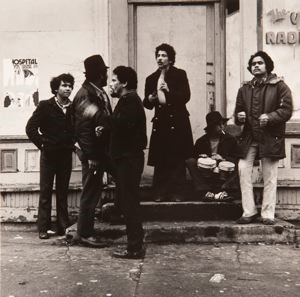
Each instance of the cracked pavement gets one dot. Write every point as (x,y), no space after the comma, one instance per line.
(32,267)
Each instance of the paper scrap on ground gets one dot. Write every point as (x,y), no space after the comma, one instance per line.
(217,278)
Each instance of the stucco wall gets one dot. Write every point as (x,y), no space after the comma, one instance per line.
(286,56)
(59,34)
(233,61)
(241,42)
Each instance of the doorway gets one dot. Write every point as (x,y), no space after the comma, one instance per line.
(196,31)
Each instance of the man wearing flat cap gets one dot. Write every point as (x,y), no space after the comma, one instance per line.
(91,112)
(212,181)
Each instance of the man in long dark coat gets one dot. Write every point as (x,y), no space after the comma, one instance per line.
(263,106)
(167,91)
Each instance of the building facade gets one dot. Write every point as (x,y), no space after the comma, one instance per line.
(213,40)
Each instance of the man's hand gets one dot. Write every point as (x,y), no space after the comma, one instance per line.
(241,117)
(99,130)
(217,157)
(164,87)
(152,97)
(263,120)
(93,164)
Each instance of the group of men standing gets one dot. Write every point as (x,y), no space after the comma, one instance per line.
(105,140)
(113,141)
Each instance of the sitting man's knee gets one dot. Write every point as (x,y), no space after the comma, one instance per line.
(191,161)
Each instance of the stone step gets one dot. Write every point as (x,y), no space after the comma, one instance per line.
(202,232)
(180,211)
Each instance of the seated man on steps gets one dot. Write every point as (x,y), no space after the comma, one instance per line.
(212,167)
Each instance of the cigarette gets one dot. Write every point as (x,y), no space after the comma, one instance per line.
(95,172)
(223,132)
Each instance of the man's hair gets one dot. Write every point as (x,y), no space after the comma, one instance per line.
(268,61)
(126,74)
(55,81)
(169,50)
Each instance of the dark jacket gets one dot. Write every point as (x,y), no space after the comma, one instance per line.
(171,136)
(90,111)
(49,128)
(227,147)
(128,127)
(276,102)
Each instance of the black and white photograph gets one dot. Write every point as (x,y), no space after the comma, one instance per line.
(150,148)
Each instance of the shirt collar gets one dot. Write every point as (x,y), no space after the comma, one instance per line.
(62,106)
(257,82)
(97,89)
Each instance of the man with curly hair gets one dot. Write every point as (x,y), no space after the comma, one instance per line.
(263,106)
(50,129)
(167,91)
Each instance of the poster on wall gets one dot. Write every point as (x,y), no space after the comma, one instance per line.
(20,83)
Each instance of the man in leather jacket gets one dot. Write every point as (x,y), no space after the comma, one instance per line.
(91,108)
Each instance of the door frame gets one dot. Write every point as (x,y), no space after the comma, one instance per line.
(219,100)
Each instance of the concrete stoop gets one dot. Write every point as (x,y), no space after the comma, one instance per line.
(202,232)
(183,211)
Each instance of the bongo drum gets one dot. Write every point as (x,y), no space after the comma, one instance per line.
(206,166)
(226,168)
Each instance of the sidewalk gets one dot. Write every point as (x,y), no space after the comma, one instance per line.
(32,267)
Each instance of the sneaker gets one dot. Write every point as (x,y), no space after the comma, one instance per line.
(223,197)
(160,198)
(44,235)
(208,197)
(93,242)
(126,254)
(176,198)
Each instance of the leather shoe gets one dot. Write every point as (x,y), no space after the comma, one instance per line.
(247,220)
(125,254)
(116,219)
(93,242)
(44,235)
(268,221)
(176,198)
(160,198)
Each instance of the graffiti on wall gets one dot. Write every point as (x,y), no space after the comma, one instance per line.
(20,83)
(278,16)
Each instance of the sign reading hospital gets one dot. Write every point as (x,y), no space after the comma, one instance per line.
(279,17)
(20,82)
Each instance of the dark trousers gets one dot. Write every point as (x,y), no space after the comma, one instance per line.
(128,177)
(210,181)
(169,177)
(56,164)
(92,184)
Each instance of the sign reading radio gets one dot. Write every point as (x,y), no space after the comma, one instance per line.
(290,37)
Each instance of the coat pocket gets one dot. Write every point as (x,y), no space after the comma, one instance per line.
(274,146)
(243,144)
